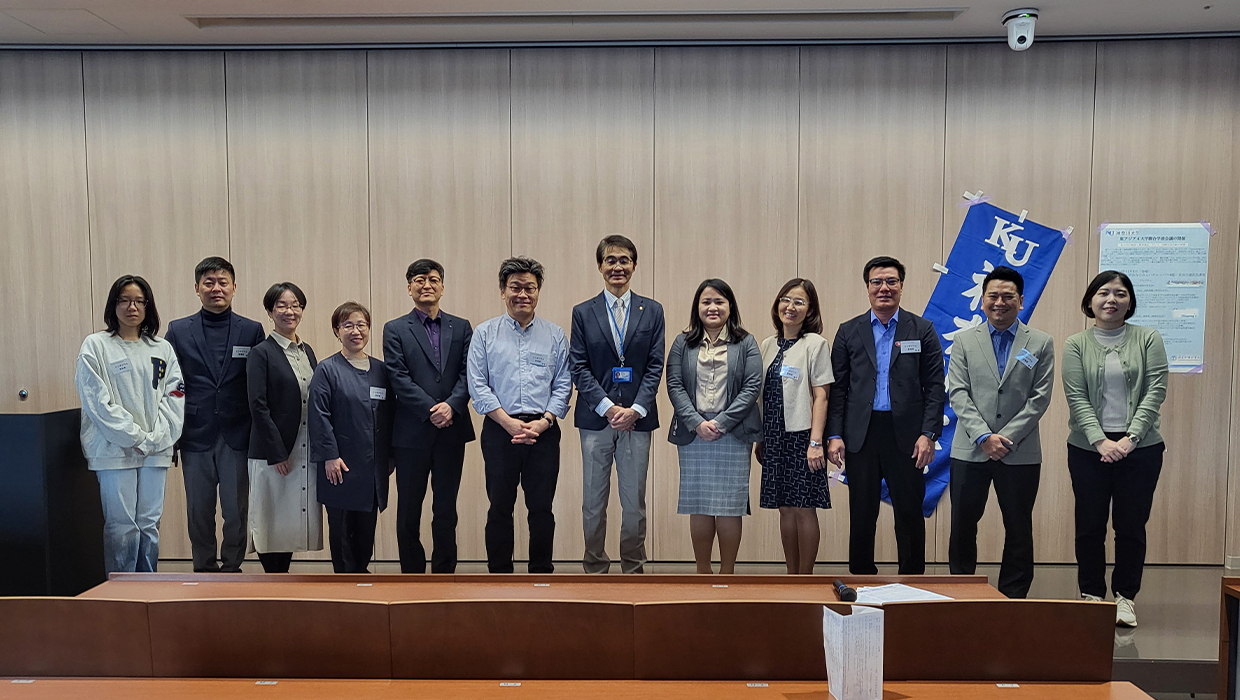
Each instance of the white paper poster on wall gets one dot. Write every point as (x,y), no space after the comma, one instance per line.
(1167,264)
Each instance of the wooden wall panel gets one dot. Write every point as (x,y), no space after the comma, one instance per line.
(871,184)
(439,188)
(1020,127)
(583,168)
(1164,151)
(725,206)
(45,254)
(156,135)
(298,193)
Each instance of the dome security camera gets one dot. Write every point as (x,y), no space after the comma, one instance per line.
(1019,25)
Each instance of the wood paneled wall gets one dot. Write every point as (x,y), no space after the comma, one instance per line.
(335,169)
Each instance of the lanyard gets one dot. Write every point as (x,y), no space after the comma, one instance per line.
(628,308)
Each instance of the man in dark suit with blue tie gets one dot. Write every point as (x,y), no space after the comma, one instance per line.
(212,346)
(425,352)
(616,359)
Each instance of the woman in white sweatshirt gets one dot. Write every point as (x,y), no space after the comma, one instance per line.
(133,408)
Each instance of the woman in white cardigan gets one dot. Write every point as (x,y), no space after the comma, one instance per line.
(796,370)
(133,409)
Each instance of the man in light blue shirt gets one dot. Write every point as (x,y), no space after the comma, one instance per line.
(519,379)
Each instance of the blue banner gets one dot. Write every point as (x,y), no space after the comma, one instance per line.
(989,237)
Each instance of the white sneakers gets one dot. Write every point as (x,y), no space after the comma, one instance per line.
(1125,612)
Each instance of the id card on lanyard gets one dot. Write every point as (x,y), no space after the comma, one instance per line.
(621,374)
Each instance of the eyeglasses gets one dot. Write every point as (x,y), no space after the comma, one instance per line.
(136,303)
(612,261)
(351,326)
(421,281)
(877,283)
(529,289)
(797,303)
(1005,298)
(287,307)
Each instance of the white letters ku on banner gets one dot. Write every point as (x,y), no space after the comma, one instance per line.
(988,238)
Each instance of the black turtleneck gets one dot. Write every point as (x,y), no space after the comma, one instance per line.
(215,328)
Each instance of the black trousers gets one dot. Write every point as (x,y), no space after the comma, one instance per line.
(275,562)
(879,459)
(1124,491)
(440,462)
(536,468)
(351,538)
(1016,486)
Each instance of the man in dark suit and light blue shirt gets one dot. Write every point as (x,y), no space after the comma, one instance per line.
(519,380)
(999,382)
(212,347)
(425,352)
(885,412)
(616,356)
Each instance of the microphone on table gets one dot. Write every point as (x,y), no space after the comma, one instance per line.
(845,593)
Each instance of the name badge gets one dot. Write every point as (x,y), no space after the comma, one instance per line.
(241,351)
(909,346)
(789,372)
(538,359)
(378,392)
(622,375)
(1026,358)
(121,367)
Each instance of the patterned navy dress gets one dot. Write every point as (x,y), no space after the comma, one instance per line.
(786,478)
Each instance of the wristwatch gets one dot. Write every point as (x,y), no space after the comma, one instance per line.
(550,418)
(1133,439)
(815,444)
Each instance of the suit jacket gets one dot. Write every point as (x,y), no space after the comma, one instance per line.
(419,383)
(347,420)
(915,382)
(592,355)
(1011,405)
(275,400)
(742,418)
(216,400)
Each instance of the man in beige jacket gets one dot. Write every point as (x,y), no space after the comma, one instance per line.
(999,383)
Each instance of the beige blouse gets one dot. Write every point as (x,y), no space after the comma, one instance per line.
(712,379)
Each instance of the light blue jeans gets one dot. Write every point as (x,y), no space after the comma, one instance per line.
(133,501)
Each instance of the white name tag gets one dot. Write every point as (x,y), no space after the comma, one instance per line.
(121,366)
(241,351)
(1026,358)
(909,346)
(378,392)
(793,373)
(538,360)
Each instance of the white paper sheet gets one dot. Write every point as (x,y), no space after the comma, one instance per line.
(895,593)
(854,651)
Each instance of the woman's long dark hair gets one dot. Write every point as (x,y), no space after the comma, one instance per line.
(150,324)
(696,332)
(813,316)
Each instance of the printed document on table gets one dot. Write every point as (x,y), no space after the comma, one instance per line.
(895,593)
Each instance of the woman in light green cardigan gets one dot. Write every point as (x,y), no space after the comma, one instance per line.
(1115,380)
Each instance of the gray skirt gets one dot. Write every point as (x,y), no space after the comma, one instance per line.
(714,477)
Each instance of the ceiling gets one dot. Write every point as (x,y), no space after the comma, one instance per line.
(263,22)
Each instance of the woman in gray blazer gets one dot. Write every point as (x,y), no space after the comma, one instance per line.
(714,375)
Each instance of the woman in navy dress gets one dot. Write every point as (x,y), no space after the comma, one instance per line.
(796,364)
(350,440)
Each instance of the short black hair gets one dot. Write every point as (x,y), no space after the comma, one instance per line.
(615,241)
(150,324)
(277,290)
(1102,278)
(697,332)
(882,261)
(424,266)
(813,315)
(1004,273)
(347,309)
(213,263)
(518,265)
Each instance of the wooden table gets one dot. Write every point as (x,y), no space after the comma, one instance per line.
(1228,628)
(140,689)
